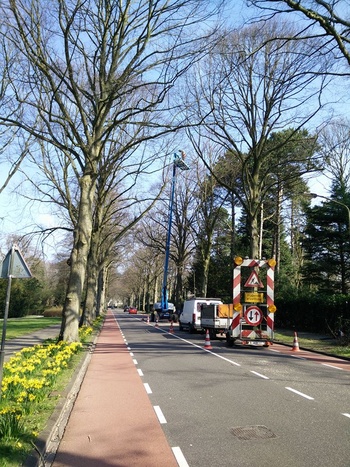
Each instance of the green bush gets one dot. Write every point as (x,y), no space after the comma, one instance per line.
(314,312)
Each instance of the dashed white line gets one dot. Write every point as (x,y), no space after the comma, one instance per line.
(346,415)
(300,393)
(147,387)
(135,361)
(260,375)
(139,371)
(159,414)
(180,458)
(131,354)
(332,366)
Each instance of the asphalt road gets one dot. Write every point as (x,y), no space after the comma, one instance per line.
(243,406)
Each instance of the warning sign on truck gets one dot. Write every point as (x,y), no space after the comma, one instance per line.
(253,315)
(254,297)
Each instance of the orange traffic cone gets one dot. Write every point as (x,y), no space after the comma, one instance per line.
(295,347)
(171,330)
(207,344)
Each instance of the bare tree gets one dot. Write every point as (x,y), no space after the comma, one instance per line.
(332,18)
(335,149)
(87,68)
(250,87)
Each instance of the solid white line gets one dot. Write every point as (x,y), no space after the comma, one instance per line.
(139,372)
(147,387)
(159,414)
(180,458)
(332,366)
(346,415)
(135,361)
(300,394)
(206,350)
(259,374)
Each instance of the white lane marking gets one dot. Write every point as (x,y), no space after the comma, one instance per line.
(135,361)
(300,358)
(131,354)
(346,415)
(129,348)
(259,374)
(332,366)
(202,348)
(159,414)
(147,387)
(300,393)
(180,458)
(274,350)
(139,372)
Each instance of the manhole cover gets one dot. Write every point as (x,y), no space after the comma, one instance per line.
(252,432)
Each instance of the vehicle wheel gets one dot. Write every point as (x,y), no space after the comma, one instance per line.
(229,340)
(180,326)
(212,334)
(191,328)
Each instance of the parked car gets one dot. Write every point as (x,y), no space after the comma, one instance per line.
(132,310)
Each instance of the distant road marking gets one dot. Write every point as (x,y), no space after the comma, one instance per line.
(147,387)
(332,366)
(131,354)
(346,415)
(180,458)
(300,393)
(259,374)
(274,350)
(139,372)
(159,414)
(135,361)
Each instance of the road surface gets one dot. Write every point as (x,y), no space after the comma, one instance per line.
(242,407)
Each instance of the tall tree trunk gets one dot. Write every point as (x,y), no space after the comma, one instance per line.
(101,290)
(89,312)
(254,234)
(78,261)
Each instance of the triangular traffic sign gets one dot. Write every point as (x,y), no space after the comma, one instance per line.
(14,265)
(253,281)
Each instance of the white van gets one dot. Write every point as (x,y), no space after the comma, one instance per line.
(190,318)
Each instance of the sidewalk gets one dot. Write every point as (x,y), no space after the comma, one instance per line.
(112,422)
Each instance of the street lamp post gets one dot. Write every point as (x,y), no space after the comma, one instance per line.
(179,163)
(315,195)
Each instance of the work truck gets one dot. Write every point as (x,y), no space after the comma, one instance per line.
(216,318)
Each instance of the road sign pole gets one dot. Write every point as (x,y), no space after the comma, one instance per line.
(6,312)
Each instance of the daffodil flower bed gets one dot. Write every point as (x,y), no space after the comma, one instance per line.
(30,379)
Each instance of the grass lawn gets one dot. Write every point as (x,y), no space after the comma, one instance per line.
(315,342)
(16,327)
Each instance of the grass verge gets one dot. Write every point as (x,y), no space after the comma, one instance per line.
(315,343)
(23,416)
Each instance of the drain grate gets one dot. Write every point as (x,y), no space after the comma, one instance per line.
(252,432)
